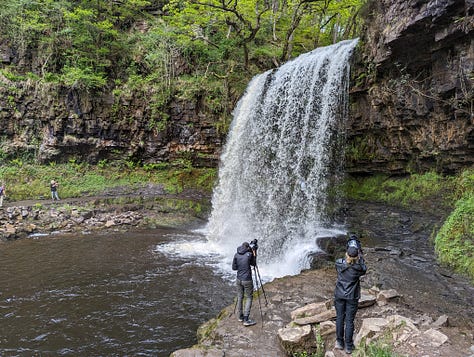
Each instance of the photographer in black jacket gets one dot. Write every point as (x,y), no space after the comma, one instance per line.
(244,259)
(347,293)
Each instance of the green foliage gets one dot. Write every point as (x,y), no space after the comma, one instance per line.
(375,349)
(83,78)
(305,354)
(359,149)
(11,76)
(102,164)
(454,242)
(186,49)
(156,166)
(29,182)
(398,191)
(285,30)
(319,345)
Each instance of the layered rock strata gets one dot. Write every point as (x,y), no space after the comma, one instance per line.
(412,96)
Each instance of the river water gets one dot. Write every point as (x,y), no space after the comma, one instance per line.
(110,295)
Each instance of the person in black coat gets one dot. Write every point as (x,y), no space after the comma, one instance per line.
(243,260)
(347,294)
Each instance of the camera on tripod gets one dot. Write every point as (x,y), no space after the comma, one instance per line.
(253,245)
(354,242)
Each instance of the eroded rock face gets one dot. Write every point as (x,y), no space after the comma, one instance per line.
(56,124)
(412,95)
(412,104)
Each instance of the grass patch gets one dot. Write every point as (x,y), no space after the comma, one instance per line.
(29,181)
(375,349)
(454,243)
(400,191)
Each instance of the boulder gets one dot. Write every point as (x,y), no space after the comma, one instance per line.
(436,338)
(366,300)
(327,328)
(384,296)
(370,328)
(311,309)
(323,316)
(401,329)
(296,339)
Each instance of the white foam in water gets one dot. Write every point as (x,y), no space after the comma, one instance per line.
(278,162)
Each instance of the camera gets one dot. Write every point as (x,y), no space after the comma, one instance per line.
(354,242)
(253,245)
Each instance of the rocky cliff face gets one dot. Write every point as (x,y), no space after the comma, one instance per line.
(412,96)
(412,104)
(57,124)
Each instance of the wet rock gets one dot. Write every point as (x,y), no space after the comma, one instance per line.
(333,246)
(9,231)
(423,320)
(320,260)
(78,219)
(405,39)
(24,213)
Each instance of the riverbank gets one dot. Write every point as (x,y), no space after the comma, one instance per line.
(397,245)
(117,209)
(400,256)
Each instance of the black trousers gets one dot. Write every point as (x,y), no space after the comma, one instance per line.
(345,315)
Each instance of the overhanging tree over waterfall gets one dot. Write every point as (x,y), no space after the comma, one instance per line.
(279,29)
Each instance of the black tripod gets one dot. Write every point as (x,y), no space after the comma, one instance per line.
(258,279)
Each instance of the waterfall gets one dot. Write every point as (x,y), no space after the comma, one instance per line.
(279,160)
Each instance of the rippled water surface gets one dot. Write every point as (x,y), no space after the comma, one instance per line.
(104,295)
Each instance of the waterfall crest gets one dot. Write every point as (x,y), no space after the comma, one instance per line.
(280,157)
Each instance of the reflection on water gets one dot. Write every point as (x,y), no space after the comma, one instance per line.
(103,295)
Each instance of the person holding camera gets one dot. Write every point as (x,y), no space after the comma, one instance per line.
(347,293)
(244,259)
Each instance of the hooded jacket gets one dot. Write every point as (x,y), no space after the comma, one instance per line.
(243,259)
(348,283)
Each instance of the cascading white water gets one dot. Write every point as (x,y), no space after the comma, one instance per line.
(277,163)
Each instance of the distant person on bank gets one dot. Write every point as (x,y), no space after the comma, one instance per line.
(347,293)
(243,260)
(54,190)
(2,194)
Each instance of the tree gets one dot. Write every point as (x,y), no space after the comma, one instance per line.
(332,18)
(279,24)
